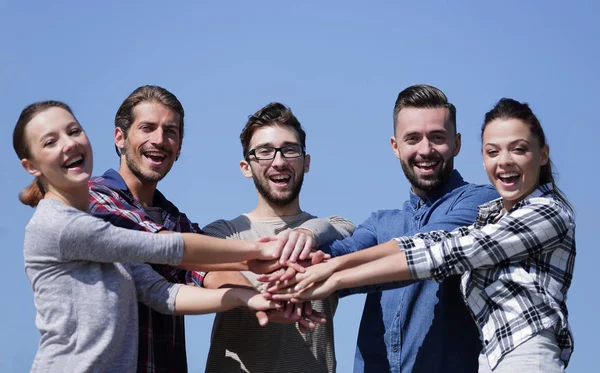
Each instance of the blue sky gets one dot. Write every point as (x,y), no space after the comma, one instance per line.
(339,65)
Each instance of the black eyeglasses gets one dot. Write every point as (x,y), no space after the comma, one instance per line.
(265,153)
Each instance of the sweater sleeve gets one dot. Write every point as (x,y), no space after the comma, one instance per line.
(86,237)
(152,289)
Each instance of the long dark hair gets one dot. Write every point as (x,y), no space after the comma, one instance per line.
(508,108)
(32,194)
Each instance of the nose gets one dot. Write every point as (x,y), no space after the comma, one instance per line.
(69,144)
(157,136)
(279,160)
(505,158)
(425,147)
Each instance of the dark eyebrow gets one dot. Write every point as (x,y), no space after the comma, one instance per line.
(270,145)
(510,143)
(52,133)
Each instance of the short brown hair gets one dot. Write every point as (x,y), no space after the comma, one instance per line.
(147,93)
(271,115)
(423,96)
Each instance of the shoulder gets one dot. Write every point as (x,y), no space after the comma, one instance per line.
(475,194)
(225,228)
(547,207)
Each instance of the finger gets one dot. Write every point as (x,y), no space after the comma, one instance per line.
(298,247)
(298,307)
(284,297)
(272,277)
(288,247)
(317,257)
(262,317)
(304,325)
(307,308)
(317,317)
(308,247)
(268,239)
(304,284)
(289,273)
(288,310)
(298,267)
(279,285)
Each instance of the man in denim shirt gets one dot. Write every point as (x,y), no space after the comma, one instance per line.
(421,326)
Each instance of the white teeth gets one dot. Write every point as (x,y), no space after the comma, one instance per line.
(425,164)
(508,175)
(154,154)
(73,161)
(280,177)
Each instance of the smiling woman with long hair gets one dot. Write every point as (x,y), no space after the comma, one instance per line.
(516,260)
(85,291)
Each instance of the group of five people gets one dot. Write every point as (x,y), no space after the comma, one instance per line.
(502,257)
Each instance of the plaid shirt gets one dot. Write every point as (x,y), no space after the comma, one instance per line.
(517,268)
(161,345)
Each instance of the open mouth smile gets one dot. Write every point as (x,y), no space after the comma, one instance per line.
(280,180)
(155,157)
(74,162)
(508,178)
(426,166)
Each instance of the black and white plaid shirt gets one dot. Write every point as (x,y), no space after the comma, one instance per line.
(516,266)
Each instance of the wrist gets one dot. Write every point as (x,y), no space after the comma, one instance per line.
(337,263)
(236,298)
(337,281)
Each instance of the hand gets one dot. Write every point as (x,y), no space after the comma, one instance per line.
(317,291)
(263,266)
(312,274)
(254,300)
(298,244)
(283,274)
(270,247)
(299,313)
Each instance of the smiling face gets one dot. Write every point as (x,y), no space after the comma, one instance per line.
(151,145)
(279,180)
(61,154)
(512,158)
(426,144)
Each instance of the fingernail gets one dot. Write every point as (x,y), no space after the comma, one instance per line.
(298,287)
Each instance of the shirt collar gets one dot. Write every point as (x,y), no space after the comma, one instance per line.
(489,212)
(113,180)
(454,181)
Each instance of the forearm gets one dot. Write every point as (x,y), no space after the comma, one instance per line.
(365,256)
(385,269)
(192,300)
(201,250)
(226,279)
(240,266)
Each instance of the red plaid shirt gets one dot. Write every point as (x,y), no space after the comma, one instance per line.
(161,347)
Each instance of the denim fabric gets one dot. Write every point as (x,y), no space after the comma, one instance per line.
(421,326)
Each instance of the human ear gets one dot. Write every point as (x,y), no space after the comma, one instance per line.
(394,145)
(457,144)
(245,168)
(30,167)
(306,163)
(119,138)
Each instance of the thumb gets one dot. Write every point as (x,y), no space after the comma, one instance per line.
(262,318)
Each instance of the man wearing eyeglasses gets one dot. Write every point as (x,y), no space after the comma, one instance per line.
(273,143)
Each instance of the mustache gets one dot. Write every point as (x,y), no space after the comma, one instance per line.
(157,148)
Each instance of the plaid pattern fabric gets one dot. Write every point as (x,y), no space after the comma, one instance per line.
(517,268)
(161,345)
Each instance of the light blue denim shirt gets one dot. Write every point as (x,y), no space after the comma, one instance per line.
(422,326)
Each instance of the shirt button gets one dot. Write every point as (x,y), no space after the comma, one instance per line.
(486,342)
(397,314)
(395,349)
